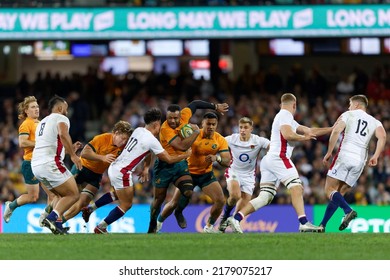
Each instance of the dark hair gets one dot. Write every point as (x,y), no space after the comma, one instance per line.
(210,115)
(173,108)
(152,115)
(54,101)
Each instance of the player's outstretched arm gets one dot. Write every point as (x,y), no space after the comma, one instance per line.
(164,156)
(290,135)
(199,104)
(319,131)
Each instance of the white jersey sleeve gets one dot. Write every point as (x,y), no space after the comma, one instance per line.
(140,144)
(359,129)
(48,145)
(279,145)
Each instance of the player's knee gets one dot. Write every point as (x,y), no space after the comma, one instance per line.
(86,195)
(188,193)
(51,196)
(33,197)
(125,206)
(172,204)
(293,184)
(219,202)
(75,197)
(267,194)
(234,197)
(186,188)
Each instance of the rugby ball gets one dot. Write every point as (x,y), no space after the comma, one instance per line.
(186,131)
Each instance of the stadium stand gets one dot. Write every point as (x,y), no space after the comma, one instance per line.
(129,96)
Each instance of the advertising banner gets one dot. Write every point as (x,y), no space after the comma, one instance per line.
(273,218)
(25,220)
(195,22)
(269,219)
(370,219)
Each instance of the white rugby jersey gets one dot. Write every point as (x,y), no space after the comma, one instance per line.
(244,153)
(280,146)
(359,129)
(48,145)
(141,142)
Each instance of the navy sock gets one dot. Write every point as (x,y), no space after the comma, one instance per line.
(330,209)
(104,200)
(239,216)
(114,215)
(227,210)
(53,216)
(339,200)
(183,202)
(59,224)
(302,220)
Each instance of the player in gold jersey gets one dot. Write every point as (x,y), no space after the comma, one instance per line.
(178,174)
(209,147)
(96,157)
(28,112)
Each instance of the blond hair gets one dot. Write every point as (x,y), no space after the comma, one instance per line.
(288,98)
(23,106)
(246,120)
(361,99)
(123,127)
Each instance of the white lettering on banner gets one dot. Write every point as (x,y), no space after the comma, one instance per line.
(196,20)
(151,21)
(33,221)
(104,21)
(364,225)
(275,19)
(303,18)
(34,21)
(77,21)
(7,21)
(351,18)
(383,17)
(232,19)
(77,224)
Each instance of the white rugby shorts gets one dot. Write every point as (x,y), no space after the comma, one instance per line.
(346,169)
(275,170)
(245,180)
(51,174)
(120,180)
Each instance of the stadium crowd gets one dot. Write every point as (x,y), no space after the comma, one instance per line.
(98,100)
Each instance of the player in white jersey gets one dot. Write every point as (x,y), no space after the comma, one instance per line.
(241,175)
(52,136)
(141,143)
(276,166)
(357,128)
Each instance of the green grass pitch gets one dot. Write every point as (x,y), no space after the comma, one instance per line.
(281,246)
